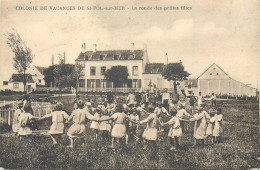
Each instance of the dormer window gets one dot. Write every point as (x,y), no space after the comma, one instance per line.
(210,73)
(86,57)
(217,73)
(115,57)
(214,68)
(101,57)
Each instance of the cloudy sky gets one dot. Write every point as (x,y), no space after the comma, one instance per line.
(225,32)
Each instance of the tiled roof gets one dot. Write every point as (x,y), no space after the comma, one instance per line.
(19,78)
(154,68)
(109,55)
(41,69)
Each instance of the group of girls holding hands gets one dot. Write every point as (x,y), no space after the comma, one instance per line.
(123,121)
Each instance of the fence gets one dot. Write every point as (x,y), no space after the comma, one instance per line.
(39,109)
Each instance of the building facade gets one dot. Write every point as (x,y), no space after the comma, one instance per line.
(37,74)
(16,83)
(215,80)
(96,63)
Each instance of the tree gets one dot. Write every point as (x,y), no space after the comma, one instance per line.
(77,73)
(175,72)
(49,75)
(117,74)
(22,54)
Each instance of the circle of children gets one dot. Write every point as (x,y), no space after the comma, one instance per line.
(112,116)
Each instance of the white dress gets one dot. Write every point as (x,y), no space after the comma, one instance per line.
(200,126)
(217,127)
(24,129)
(175,129)
(16,120)
(104,125)
(150,133)
(119,128)
(79,117)
(58,118)
(94,124)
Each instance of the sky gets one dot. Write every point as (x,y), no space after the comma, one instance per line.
(225,32)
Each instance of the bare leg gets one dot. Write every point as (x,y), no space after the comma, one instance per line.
(113,143)
(71,143)
(54,140)
(126,139)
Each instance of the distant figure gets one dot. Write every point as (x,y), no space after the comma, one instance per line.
(193,100)
(217,130)
(200,99)
(165,99)
(131,99)
(110,98)
(213,100)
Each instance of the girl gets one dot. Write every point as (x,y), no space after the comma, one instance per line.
(182,114)
(200,125)
(209,131)
(119,128)
(217,131)
(175,130)
(25,117)
(58,119)
(132,126)
(104,126)
(79,117)
(94,124)
(16,119)
(151,131)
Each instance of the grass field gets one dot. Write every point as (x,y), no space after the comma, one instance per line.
(239,149)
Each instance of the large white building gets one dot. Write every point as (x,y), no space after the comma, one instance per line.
(215,80)
(97,62)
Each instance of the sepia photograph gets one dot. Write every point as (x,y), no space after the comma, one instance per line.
(129,84)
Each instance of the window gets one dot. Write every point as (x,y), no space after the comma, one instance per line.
(5,83)
(135,70)
(16,85)
(135,85)
(210,73)
(115,57)
(82,83)
(92,71)
(103,70)
(217,73)
(39,80)
(101,57)
(86,57)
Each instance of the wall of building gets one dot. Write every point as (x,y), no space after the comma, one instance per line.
(108,64)
(18,86)
(225,87)
(36,75)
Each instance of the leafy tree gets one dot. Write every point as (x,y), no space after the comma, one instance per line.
(49,75)
(117,74)
(175,72)
(76,74)
(22,54)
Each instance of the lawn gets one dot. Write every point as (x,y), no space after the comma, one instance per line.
(239,149)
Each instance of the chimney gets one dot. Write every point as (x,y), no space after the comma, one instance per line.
(83,48)
(52,60)
(166,59)
(132,47)
(95,47)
